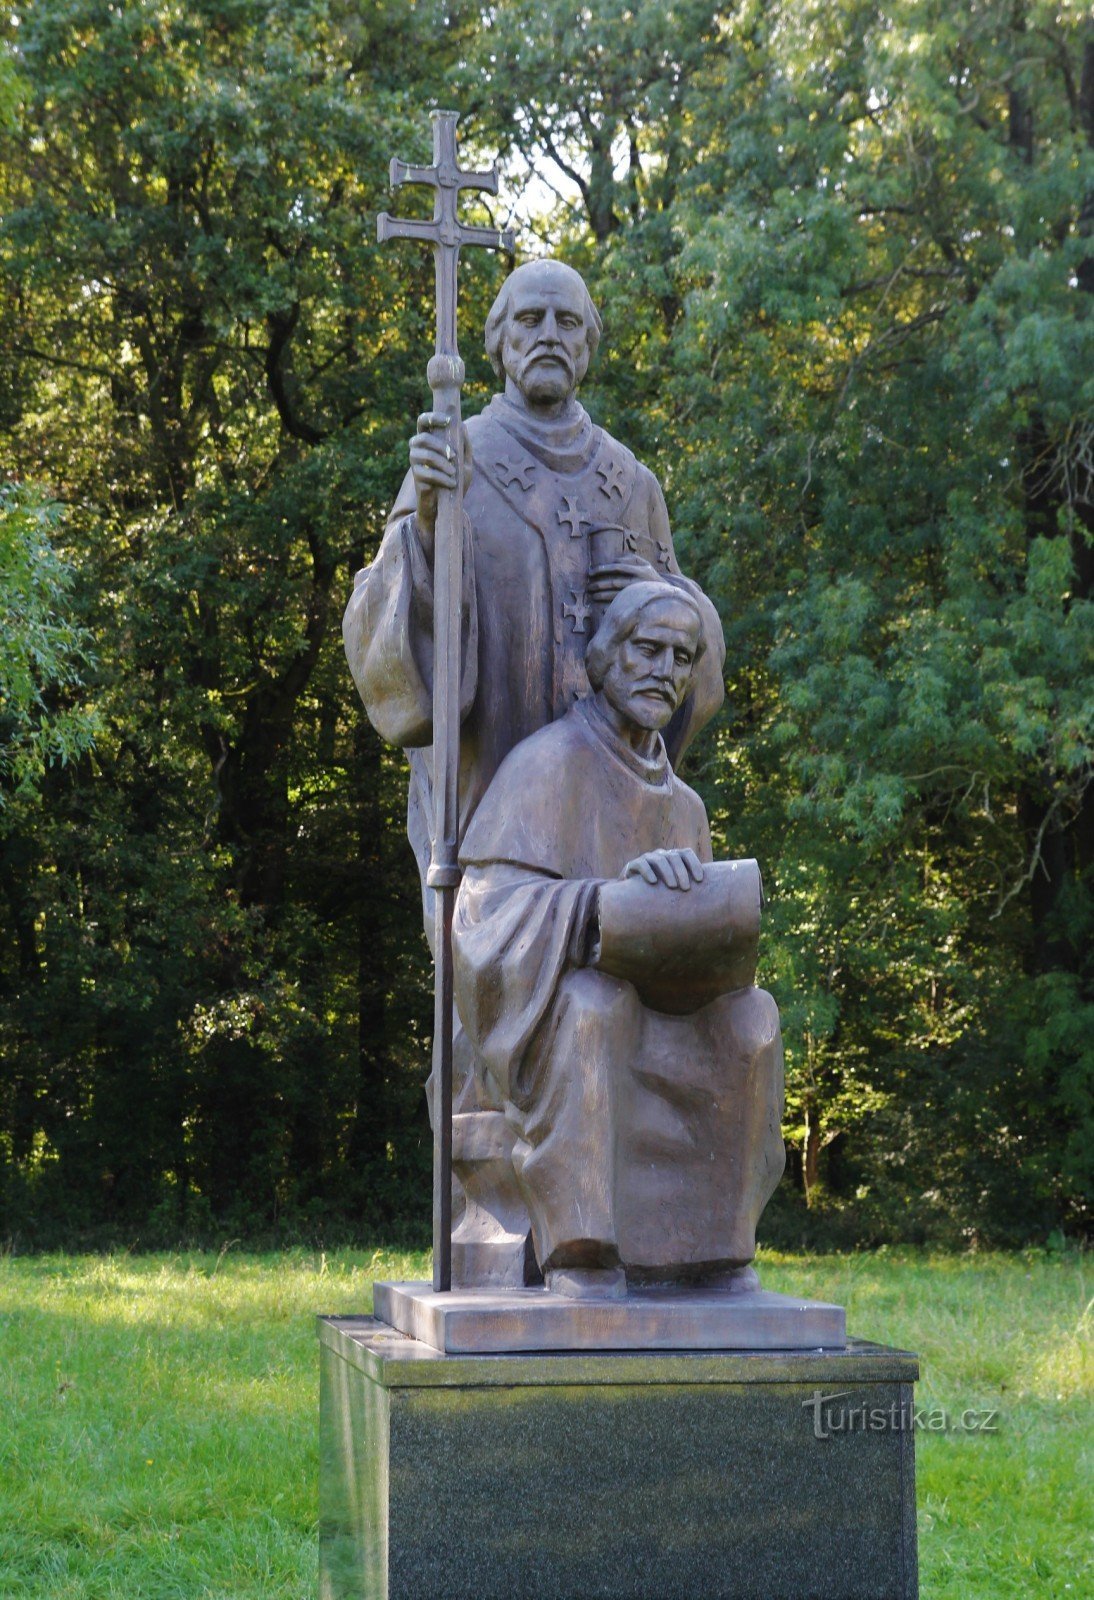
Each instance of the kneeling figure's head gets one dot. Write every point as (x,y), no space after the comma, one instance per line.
(642,658)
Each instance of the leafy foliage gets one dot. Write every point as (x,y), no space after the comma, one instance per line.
(213,973)
(41,652)
(847,286)
(845,259)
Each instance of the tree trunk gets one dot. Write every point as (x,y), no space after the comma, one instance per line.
(811,1150)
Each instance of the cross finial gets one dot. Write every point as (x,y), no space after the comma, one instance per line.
(444,231)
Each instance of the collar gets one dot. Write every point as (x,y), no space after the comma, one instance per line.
(564,444)
(655,770)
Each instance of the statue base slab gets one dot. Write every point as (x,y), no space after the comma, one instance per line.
(492,1321)
(650,1476)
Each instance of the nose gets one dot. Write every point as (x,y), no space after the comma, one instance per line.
(548,328)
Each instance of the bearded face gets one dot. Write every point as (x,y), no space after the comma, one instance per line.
(649,673)
(545,347)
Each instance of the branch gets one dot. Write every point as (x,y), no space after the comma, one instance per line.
(1035,861)
(282,324)
(906,272)
(51,358)
(1075,796)
(564,166)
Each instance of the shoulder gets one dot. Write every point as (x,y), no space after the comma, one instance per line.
(645,479)
(648,492)
(547,754)
(689,802)
(521,816)
(644,498)
(481,427)
(609,446)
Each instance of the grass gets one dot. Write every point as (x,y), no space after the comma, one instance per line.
(158,1416)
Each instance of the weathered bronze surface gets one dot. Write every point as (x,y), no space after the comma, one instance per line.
(604,972)
(618,1077)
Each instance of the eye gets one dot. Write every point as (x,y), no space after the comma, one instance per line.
(683,659)
(646,649)
(569,322)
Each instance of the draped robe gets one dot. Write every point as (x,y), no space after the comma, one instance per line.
(641,1137)
(536,490)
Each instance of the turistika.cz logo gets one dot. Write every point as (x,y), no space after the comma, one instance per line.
(831,1415)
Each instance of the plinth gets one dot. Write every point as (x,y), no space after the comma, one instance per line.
(496,1321)
(667,1475)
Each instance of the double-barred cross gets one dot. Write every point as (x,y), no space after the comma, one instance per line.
(445,232)
(446,235)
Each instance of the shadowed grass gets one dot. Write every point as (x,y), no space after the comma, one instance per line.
(158,1416)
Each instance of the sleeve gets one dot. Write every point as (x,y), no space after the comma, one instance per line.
(708,689)
(515,934)
(388,631)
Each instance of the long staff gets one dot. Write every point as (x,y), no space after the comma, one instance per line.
(446,234)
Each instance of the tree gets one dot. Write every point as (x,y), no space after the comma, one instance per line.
(844,257)
(846,304)
(211,365)
(42,652)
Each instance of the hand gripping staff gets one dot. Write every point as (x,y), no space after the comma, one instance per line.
(445,233)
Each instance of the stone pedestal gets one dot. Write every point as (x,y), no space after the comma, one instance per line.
(772,1475)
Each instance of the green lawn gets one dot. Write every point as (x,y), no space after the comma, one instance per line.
(158,1417)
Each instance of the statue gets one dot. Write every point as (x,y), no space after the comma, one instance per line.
(647,1142)
(558,518)
(544,489)
(527,637)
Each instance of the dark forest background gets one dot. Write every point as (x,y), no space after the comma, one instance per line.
(845,258)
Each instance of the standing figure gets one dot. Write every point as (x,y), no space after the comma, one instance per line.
(604,973)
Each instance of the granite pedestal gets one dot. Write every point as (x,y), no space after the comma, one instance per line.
(599,1476)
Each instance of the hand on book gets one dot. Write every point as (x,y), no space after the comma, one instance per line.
(676,869)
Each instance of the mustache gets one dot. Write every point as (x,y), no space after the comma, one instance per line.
(559,357)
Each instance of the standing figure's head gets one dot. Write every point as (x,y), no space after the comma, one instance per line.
(542,332)
(643,656)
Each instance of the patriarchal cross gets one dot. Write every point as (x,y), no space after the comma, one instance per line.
(446,235)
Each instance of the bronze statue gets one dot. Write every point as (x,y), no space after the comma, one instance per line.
(558,520)
(542,483)
(604,975)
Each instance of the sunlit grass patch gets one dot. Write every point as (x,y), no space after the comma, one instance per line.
(158,1414)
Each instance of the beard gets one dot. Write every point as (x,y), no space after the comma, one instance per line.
(543,378)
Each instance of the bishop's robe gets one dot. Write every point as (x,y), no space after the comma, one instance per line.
(641,1137)
(536,491)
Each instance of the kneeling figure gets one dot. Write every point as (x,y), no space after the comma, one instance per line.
(604,972)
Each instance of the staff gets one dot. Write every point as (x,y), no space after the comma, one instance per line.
(446,234)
